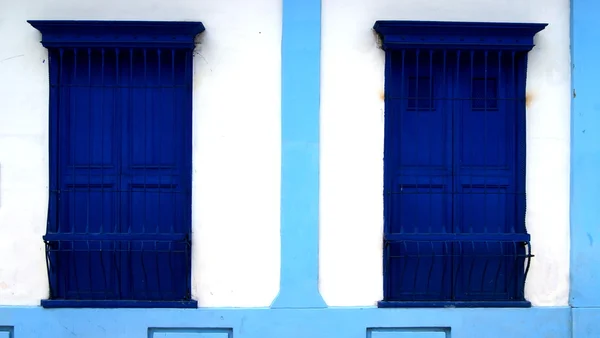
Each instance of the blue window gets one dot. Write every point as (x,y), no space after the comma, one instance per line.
(119,220)
(454,163)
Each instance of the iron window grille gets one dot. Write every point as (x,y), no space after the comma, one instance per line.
(119,219)
(454,163)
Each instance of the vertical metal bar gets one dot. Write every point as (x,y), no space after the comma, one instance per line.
(471,266)
(388,190)
(501,260)
(72,114)
(145,282)
(470,103)
(459,256)
(121,220)
(105,275)
(117,273)
(173,169)
(501,105)
(72,131)
(105,279)
(527,260)
(455,164)
(487,260)
(73,253)
(514,103)
(404,257)
(403,103)
(51,269)
(446,256)
(89,169)
(174,165)
(146,88)
(443,104)
(73,175)
(416,275)
(89,165)
(60,180)
(88,250)
(188,194)
(456,260)
(145,150)
(156,260)
(129,141)
(428,140)
(120,133)
(131,218)
(160,169)
(119,161)
(485,140)
(513,278)
(416,103)
(170,293)
(158,207)
(102,55)
(431,244)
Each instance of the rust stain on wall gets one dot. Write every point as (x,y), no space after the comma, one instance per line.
(529,98)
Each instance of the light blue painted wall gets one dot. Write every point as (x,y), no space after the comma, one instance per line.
(585,155)
(300,97)
(288,323)
(585,169)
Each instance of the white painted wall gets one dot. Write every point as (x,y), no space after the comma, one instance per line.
(352,141)
(236,144)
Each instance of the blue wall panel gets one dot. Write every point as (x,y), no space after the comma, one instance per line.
(6,332)
(300,101)
(409,332)
(585,155)
(36,322)
(189,333)
(585,165)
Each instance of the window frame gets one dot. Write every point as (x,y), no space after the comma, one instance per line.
(65,34)
(396,36)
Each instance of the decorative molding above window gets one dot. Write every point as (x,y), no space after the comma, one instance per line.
(156,34)
(457,35)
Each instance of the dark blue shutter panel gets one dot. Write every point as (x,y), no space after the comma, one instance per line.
(420,193)
(454,173)
(88,177)
(124,134)
(156,174)
(485,171)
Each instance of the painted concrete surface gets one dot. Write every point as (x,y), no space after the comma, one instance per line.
(585,322)
(352,115)
(585,159)
(300,78)
(236,142)
(289,323)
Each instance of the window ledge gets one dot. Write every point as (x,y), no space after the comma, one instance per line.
(452,304)
(153,34)
(457,35)
(72,303)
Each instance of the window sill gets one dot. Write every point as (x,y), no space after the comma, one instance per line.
(451,304)
(72,303)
